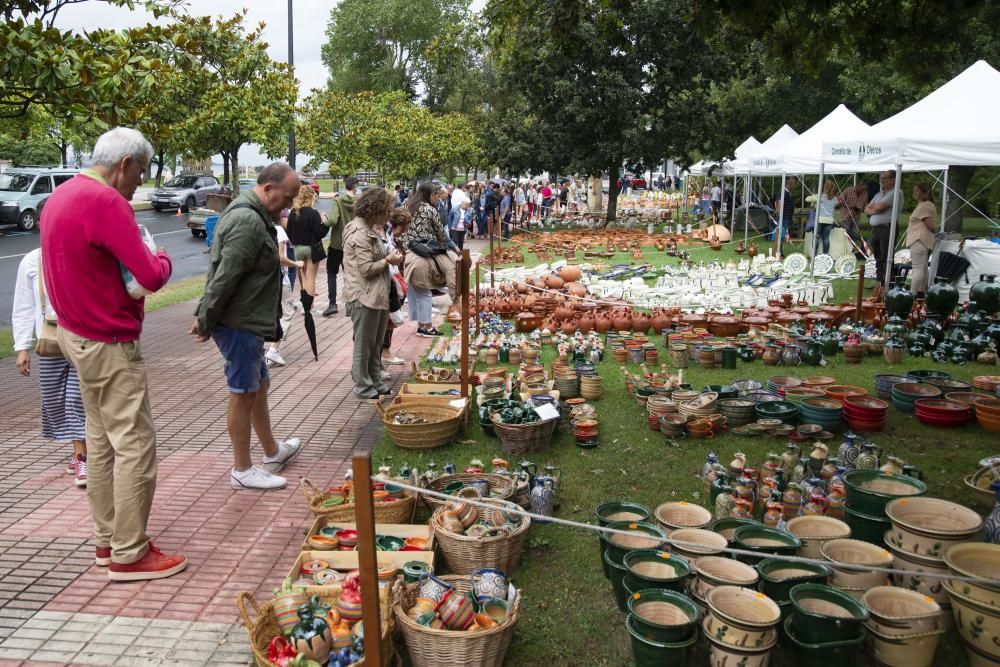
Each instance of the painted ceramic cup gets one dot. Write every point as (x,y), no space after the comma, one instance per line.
(434,589)
(456,611)
(489,583)
(495,608)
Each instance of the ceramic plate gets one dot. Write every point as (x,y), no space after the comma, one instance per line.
(795,263)
(846,265)
(822,265)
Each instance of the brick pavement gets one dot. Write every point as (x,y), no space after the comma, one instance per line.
(57,608)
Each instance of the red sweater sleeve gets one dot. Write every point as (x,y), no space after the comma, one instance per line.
(119,234)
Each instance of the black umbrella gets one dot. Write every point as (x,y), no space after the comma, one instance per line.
(310,324)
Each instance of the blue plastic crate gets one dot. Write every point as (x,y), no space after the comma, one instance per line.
(210,223)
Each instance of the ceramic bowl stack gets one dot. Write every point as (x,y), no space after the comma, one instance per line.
(761,396)
(988,413)
(868,493)
(941,412)
(906,394)
(693,543)
(763,542)
(675,515)
(884,382)
(981,481)
(865,414)
(652,568)
(826,626)
(823,411)
(741,626)
(922,531)
(905,626)
(713,571)
(987,383)
(658,406)
(567,382)
(786,411)
(779,383)
(591,387)
(838,392)
(701,405)
(948,384)
(814,531)
(921,375)
(818,382)
(738,411)
(848,552)
(778,577)
(799,394)
(722,390)
(744,387)
(976,606)
(663,625)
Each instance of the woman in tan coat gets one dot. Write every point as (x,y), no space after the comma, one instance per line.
(366,288)
(920,236)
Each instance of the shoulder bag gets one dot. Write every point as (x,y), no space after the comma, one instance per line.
(47,344)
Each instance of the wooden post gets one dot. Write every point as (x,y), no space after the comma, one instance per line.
(489,224)
(463,281)
(861,292)
(364,518)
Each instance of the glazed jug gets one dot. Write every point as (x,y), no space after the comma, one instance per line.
(830,468)
(528,472)
(770,464)
(311,636)
(869,457)
(741,509)
(892,466)
(911,470)
(791,355)
(774,514)
(801,471)
(543,497)
(724,502)
(555,472)
(817,457)
(850,449)
(791,500)
(790,456)
(816,505)
(813,354)
(991,527)
(738,463)
(720,482)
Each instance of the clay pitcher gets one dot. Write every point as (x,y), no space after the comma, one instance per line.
(640,323)
(587,323)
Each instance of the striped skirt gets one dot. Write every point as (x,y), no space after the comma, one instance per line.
(63,418)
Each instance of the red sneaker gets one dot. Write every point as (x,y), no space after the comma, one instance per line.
(154,565)
(103,556)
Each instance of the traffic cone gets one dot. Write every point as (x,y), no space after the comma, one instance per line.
(178,214)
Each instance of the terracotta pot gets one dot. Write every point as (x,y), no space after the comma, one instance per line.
(603,323)
(623,321)
(569,326)
(695,321)
(570,273)
(586,323)
(661,321)
(723,326)
(527,321)
(576,289)
(554,282)
(640,323)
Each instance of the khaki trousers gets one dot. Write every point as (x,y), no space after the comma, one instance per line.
(919,256)
(121,441)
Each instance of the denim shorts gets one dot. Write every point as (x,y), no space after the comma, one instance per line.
(244,355)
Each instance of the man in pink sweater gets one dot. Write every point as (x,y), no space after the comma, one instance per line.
(89,235)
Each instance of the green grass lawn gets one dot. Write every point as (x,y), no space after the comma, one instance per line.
(177,292)
(569,616)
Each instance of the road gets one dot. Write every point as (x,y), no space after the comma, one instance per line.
(189,254)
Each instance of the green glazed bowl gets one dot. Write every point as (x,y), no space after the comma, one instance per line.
(827,654)
(663,616)
(869,491)
(825,614)
(649,653)
(620,510)
(727,526)
(657,569)
(778,576)
(617,572)
(867,528)
(765,541)
(617,551)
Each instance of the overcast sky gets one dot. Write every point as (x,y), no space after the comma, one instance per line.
(310,19)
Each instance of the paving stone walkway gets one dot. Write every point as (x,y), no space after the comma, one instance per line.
(57,608)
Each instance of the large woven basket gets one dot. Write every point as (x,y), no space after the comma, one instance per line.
(524,438)
(262,625)
(444,423)
(447,648)
(465,554)
(400,511)
(505,486)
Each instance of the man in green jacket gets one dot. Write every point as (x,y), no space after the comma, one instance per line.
(239,311)
(341,214)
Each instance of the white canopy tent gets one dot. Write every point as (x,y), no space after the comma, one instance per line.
(761,162)
(954,125)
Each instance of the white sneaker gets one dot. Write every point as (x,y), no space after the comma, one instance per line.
(396,361)
(386,377)
(273,357)
(287,450)
(256,477)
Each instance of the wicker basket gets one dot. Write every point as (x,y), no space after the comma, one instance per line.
(524,438)
(263,626)
(424,376)
(505,484)
(445,422)
(400,511)
(465,554)
(447,648)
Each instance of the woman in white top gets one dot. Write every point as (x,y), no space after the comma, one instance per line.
(289,306)
(63,418)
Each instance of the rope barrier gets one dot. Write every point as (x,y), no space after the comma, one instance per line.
(695,545)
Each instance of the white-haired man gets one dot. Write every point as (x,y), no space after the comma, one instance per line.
(89,235)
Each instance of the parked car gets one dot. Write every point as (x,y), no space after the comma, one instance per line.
(186,191)
(23,190)
(638,183)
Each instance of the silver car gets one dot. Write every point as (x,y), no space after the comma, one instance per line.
(187,192)
(23,190)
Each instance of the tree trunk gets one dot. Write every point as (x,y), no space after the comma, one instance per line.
(958,182)
(225,171)
(612,194)
(63,152)
(234,158)
(159,166)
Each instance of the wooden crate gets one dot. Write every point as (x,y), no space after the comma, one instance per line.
(345,561)
(401,530)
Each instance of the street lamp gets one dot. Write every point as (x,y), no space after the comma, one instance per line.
(291,64)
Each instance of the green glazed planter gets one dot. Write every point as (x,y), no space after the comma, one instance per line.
(648,653)
(617,552)
(617,572)
(869,491)
(764,541)
(727,526)
(829,654)
(615,508)
(652,568)
(867,528)
(823,614)
(663,616)
(778,577)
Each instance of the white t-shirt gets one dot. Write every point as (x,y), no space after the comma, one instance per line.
(716,193)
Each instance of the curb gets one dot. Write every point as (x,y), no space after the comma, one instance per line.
(142,205)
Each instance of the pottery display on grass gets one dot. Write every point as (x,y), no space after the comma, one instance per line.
(663,616)
(824,614)
(942,297)
(928,526)
(991,528)
(856,552)
(741,617)
(652,568)
(814,531)
(898,611)
(649,653)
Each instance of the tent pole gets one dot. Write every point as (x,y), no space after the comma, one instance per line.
(746,209)
(944,217)
(819,194)
(896,206)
